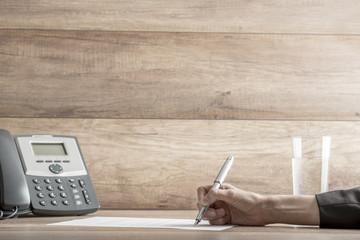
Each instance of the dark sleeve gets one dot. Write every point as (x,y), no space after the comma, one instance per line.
(339,209)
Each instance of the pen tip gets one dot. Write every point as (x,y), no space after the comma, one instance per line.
(196,222)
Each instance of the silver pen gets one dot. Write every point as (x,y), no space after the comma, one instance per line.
(218,181)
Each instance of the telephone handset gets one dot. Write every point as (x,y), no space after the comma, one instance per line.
(43,174)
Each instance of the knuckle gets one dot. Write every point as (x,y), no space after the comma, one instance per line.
(212,191)
(231,194)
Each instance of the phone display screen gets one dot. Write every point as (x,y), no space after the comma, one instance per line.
(48,148)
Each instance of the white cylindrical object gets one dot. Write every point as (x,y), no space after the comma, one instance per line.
(326,143)
(325,158)
(295,176)
(297,147)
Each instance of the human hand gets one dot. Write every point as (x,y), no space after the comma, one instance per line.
(230,205)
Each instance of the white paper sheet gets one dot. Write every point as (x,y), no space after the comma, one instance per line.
(187,224)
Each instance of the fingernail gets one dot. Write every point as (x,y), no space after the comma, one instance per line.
(203,202)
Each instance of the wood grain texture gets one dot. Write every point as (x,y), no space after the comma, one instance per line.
(160,163)
(242,16)
(36,228)
(181,76)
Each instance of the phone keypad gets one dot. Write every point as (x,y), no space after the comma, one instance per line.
(60,192)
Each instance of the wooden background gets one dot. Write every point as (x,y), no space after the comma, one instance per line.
(159,93)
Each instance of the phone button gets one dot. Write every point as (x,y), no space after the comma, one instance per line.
(54,202)
(63,195)
(82,183)
(40,195)
(52,195)
(87,197)
(38,188)
(43,203)
(36,181)
(48,181)
(66,202)
(56,168)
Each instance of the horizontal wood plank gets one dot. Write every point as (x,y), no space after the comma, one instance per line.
(241,16)
(182,76)
(160,163)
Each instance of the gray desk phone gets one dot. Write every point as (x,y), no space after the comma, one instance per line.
(45,175)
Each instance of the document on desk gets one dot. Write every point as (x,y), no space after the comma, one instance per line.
(126,222)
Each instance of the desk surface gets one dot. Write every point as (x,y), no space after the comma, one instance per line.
(34,228)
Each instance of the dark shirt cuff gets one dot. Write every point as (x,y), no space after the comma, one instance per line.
(339,209)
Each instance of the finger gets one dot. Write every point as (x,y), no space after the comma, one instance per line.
(199,206)
(227,186)
(214,195)
(212,213)
(202,191)
(220,221)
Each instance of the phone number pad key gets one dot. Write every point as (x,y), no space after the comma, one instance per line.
(40,195)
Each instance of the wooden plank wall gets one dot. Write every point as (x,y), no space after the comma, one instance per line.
(160,92)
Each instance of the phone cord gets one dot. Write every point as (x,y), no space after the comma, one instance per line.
(9,216)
